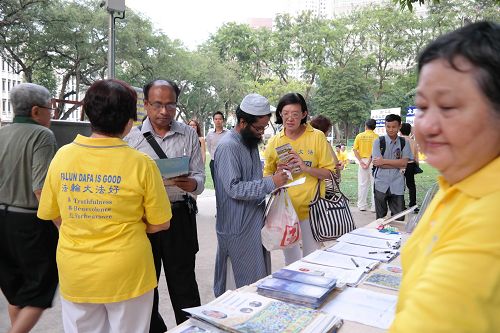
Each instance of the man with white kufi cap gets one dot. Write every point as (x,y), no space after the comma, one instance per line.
(240,189)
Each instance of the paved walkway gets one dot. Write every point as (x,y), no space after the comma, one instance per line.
(205,261)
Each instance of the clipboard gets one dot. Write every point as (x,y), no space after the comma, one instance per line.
(398,215)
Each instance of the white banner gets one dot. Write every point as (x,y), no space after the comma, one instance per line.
(379,116)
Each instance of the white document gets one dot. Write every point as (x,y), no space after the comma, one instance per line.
(363,306)
(371,232)
(363,251)
(343,276)
(339,260)
(193,325)
(383,244)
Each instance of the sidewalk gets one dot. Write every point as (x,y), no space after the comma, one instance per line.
(51,320)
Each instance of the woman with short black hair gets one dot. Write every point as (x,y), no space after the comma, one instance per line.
(108,197)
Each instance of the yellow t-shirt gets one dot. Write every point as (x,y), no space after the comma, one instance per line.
(314,150)
(363,143)
(451,263)
(343,158)
(101,188)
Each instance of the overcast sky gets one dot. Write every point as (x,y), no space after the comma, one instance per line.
(193,21)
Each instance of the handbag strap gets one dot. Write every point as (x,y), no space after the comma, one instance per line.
(336,188)
(156,147)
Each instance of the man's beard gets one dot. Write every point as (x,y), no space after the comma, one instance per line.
(248,137)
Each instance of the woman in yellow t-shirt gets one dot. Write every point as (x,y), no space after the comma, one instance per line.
(451,262)
(310,157)
(105,196)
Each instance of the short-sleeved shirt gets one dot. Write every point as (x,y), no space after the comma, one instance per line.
(26,150)
(102,188)
(391,178)
(181,140)
(451,262)
(314,150)
(213,139)
(363,143)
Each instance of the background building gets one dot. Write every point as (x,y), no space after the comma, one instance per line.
(9,78)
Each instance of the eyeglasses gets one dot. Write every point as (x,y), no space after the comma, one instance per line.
(260,129)
(293,115)
(169,106)
(45,107)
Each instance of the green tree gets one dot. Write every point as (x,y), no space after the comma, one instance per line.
(23,36)
(343,95)
(385,43)
(312,36)
(241,44)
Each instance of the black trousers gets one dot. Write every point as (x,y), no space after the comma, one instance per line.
(396,203)
(410,183)
(177,248)
(211,165)
(28,269)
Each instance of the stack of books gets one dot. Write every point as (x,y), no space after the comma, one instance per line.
(297,287)
(244,312)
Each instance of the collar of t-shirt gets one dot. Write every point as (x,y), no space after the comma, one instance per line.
(24,120)
(175,127)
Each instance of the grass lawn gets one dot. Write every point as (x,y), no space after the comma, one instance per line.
(423,181)
(349,184)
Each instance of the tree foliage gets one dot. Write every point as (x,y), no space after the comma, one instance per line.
(343,66)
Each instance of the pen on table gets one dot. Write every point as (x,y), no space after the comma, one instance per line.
(373,252)
(354,262)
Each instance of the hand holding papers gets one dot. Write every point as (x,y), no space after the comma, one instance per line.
(173,167)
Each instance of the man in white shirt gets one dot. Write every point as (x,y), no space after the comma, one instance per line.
(213,138)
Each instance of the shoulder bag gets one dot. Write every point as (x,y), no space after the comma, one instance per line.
(330,218)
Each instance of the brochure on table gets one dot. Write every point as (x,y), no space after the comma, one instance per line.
(340,260)
(360,251)
(383,244)
(344,276)
(363,306)
(249,312)
(386,276)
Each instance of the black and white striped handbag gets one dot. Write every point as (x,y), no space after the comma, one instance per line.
(330,218)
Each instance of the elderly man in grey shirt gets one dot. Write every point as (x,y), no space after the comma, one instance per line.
(177,246)
(28,270)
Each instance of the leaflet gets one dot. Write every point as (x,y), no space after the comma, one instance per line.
(363,306)
(386,276)
(173,167)
(363,251)
(340,260)
(249,312)
(343,276)
(375,233)
(384,244)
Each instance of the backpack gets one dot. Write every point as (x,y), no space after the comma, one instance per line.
(381,139)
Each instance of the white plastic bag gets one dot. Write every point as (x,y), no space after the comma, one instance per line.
(281,228)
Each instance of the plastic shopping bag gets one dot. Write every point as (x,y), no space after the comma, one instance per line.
(281,228)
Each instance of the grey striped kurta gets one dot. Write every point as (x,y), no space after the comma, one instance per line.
(240,190)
